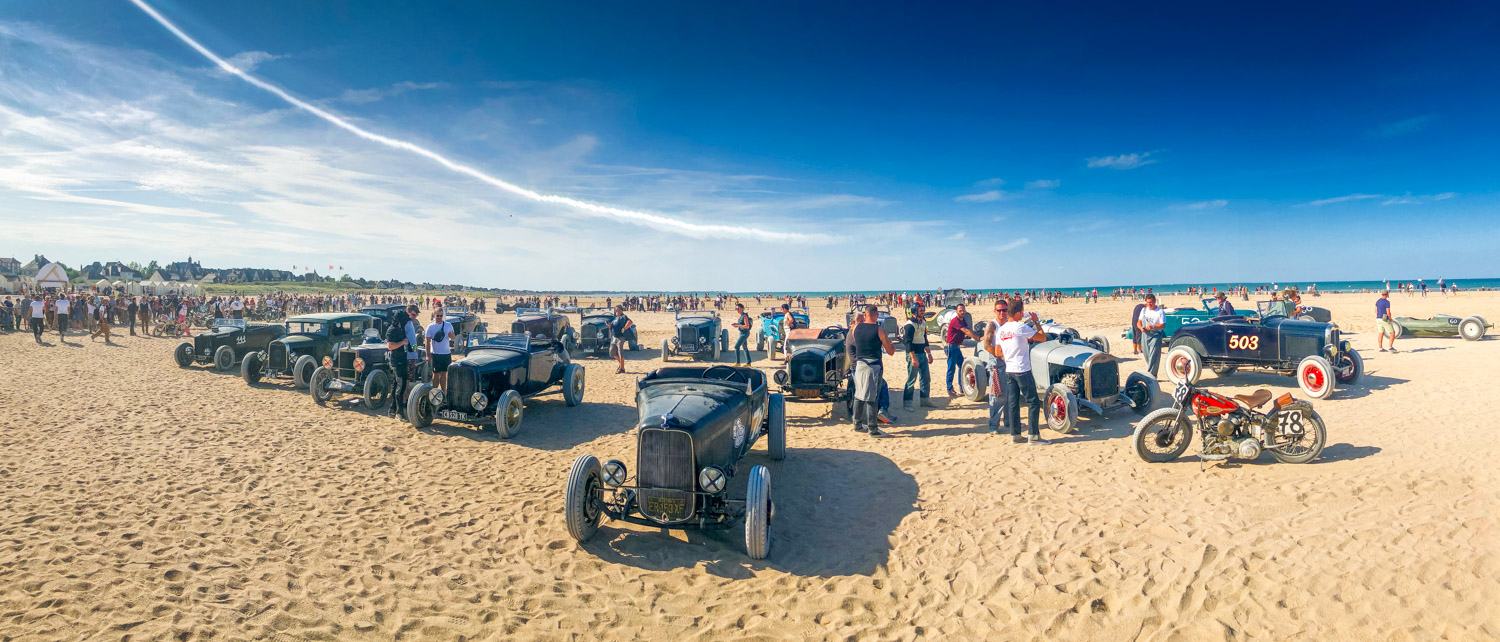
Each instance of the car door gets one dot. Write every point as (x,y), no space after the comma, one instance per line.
(1250,342)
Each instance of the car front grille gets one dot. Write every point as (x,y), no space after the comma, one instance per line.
(687,339)
(202,344)
(807,371)
(461,384)
(589,331)
(665,474)
(1104,379)
(276,356)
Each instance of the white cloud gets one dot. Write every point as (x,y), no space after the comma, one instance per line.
(1092,226)
(1043,184)
(1011,245)
(1444,196)
(1344,199)
(990,182)
(1216,204)
(982,197)
(361,96)
(1123,161)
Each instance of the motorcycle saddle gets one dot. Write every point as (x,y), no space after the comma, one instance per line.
(1255,399)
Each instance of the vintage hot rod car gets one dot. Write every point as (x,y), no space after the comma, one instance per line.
(384,312)
(1069,374)
(768,330)
(548,323)
(1309,312)
(699,334)
(1313,352)
(227,343)
(695,425)
(818,367)
(361,369)
(497,372)
(309,339)
(1098,342)
(463,322)
(937,319)
(1178,317)
(1470,328)
(593,332)
(887,322)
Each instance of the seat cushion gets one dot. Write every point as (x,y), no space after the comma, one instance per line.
(1255,399)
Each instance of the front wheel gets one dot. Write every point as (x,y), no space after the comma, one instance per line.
(223,358)
(581,501)
(419,406)
(1162,436)
(1184,365)
(250,368)
(1349,367)
(776,426)
(302,370)
(1062,409)
(317,385)
(666,349)
(1471,329)
(1316,377)
(1302,440)
(377,389)
(974,380)
(758,513)
(508,413)
(1100,342)
(573,384)
(183,354)
(1141,391)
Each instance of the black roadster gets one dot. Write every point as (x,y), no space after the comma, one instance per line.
(227,343)
(309,339)
(497,372)
(383,313)
(463,321)
(818,367)
(549,323)
(699,335)
(887,321)
(593,332)
(1313,352)
(361,369)
(695,425)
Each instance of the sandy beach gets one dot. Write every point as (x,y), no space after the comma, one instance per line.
(143,501)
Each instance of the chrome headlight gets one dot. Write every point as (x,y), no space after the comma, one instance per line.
(479,401)
(614,473)
(779,377)
(435,397)
(711,480)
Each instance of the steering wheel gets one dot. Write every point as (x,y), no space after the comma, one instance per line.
(729,377)
(826,332)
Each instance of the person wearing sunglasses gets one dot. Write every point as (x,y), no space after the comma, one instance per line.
(439,349)
(1011,342)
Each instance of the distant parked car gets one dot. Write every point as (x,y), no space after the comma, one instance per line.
(768,330)
(593,332)
(463,321)
(694,427)
(384,312)
(699,334)
(1471,328)
(818,367)
(1310,313)
(1178,317)
(548,323)
(936,319)
(1313,352)
(309,339)
(884,317)
(228,343)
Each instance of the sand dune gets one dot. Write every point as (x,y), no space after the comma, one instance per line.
(143,501)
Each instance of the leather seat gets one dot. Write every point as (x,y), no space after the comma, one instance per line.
(1255,399)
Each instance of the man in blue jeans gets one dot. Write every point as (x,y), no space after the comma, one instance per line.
(1012,343)
(919,356)
(953,336)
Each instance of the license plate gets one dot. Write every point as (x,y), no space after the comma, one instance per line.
(454,415)
(665,505)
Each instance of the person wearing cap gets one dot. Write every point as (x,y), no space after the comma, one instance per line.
(919,353)
(1384,322)
(1226,309)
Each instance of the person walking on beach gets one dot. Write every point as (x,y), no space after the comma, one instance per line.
(742,324)
(1149,326)
(617,329)
(864,345)
(131,310)
(1384,322)
(104,313)
(38,318)
(953,340)
(914,340)
(61,306)
(439,335)
(1012,343)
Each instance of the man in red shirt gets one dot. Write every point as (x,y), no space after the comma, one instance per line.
(953,336)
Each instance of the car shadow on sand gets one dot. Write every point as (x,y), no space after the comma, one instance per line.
(835,511)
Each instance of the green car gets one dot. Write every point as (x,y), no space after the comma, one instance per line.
(1178,317)
(311,340)
(1442,325)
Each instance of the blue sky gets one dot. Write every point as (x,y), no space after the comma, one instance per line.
(764,146)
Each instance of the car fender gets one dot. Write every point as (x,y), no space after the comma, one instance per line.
(1184,337)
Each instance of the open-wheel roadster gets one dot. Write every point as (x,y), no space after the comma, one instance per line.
(228,343)
(818,368)
(695,426)
(497,373)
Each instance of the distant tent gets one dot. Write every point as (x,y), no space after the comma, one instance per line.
(101,284)
(51,275)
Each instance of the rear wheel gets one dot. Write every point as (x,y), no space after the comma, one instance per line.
(1316,377)
(1141,391)
(1225,371)
(776,426)
(1471,329)
(418,406)
(581,501)
(974,380)
(758,513)
(573,384)
(1302,441)
(302,370)
(508,413)
(183,355)
(250,368)
(1161,437)
(1061,408)
(1184,365)
(377,390)
(317,385)
(223,358)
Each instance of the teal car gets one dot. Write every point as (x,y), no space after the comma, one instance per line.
(768,331)
(1178,317)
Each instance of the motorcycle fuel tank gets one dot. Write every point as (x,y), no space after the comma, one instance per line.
(1208,404)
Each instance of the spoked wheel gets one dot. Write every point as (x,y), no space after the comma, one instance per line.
(1062,409)
(1301,435)
(1161,436)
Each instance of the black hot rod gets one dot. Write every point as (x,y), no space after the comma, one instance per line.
(1313,352)
(699,335)
(818,367)
(694,426)
(227,343)
(497,372)
(593,332)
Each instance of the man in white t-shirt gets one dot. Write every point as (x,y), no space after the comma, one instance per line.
(62,307)
(439,349)
(1149,326)
(1012,343)
(38,318)
(237,308)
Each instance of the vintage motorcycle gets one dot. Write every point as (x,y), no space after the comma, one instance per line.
(1231,427)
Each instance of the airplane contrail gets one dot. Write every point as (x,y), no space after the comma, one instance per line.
(656,220)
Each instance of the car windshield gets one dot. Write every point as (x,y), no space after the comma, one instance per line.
(455,309)
(229,323)
(306,327)
(689,314)
(511,340)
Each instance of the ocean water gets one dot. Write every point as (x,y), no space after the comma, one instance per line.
(1330,287)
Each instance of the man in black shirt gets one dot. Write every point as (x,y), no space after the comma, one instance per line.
(617,328)
(865,343)
(919,357)
(742,324)
(131,311)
